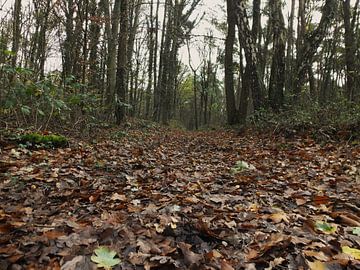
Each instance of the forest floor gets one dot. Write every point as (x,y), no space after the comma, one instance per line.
(167,199)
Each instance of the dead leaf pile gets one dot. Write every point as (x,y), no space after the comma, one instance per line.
(165,199)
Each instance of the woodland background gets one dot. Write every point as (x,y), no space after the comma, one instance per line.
(121,58)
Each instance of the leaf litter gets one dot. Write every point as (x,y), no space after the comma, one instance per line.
(166,199)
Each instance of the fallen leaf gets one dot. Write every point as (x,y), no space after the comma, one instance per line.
(325,227)
(317,265)
(352,252)
(118,197)
(191,258)
(226,266)
(356,231)
(79,263)
(105,258)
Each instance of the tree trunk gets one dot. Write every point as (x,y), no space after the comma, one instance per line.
(112,32)
(16,32)
(151,46)
(251,55)
(121,73)
(350,48)
(246,76)
(232,113)
(277,77)
(158,87)
(289,51)
(94,36)
(310,45)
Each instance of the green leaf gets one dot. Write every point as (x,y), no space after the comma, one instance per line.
(325,227)
(25,110)
(40,112)
(356,231)
(9,53)
(242,166)
(352,252)
(105,258)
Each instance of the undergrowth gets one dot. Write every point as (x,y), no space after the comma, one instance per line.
(333,121)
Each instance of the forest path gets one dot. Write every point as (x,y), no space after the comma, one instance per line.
(165,199)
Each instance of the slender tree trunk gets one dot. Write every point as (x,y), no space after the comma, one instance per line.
(246,76)
(85,42)
(251,55)
(151,43)
(16,32)
(289,51)
(277,77)
(112,32)
(195,101)
(310,45)
(232,113)
(160,83)
(121,89)
(94,36)
(350,48)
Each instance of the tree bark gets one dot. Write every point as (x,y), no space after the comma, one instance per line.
(16,32)
(251,54)
(289,50)
(231,110)
(350,48)
(310,45)
(277,76)
(121,73)
(112,32)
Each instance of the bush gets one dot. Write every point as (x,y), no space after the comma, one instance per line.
(327,119)
(44,101)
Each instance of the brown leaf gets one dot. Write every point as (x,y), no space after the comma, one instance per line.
(226,266)
(52,235)
(191,259)
(79,263)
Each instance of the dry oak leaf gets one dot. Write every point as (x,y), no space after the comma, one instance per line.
(79,263)
(317,265)
(277,217)
(226,266)
(191,258)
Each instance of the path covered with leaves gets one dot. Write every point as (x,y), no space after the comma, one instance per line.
(162,199)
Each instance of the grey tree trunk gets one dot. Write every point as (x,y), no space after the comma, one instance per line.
(151,46)
(350,48)
(251,55)
(277,76)
(289,50)
(121,73)
(16,32)
(94,36)
(112,35)
(310,45)
(231,110)
(246,76)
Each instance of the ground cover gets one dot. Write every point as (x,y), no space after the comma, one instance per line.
(169,199)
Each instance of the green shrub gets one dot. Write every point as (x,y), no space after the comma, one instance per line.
(326,119)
